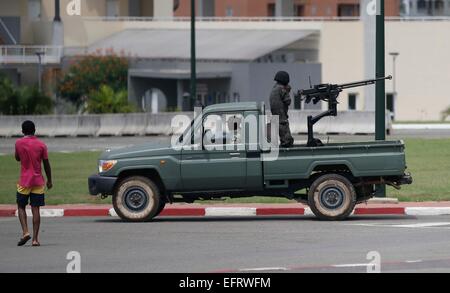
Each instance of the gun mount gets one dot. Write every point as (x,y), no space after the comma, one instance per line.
(328,93)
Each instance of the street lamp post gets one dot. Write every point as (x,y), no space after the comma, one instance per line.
(394,69)
(380,104)
(193,54)
(39,55)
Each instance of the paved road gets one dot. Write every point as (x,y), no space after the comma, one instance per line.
(297,244)
(102,143)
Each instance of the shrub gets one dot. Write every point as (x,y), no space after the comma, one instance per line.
(90,72)
(23,100)
(106,100)
(446,114)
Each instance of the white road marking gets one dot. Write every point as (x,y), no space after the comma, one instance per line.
(414,261)
(418,225)
(263,269)
(225,212)
(355,265)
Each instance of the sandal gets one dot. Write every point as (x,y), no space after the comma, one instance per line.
(24,240)
(36,244)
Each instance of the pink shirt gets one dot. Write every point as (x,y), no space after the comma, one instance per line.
(31,152)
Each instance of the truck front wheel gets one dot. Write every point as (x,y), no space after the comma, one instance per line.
(332,197)
(137,199)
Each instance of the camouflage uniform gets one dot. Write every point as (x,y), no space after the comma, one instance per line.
(280,101)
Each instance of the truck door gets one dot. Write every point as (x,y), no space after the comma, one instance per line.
(220,162)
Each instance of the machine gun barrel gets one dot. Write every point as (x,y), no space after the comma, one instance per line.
(363,83)
(330,94)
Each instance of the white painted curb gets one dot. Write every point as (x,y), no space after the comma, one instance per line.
(425,211)
(225,212)
(46,213)
(442,126)
(112,212)
(309,212)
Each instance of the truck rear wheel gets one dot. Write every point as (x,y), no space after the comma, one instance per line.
(332,197)
(137,199)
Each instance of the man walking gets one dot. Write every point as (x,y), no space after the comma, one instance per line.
(280,101)
(31,153)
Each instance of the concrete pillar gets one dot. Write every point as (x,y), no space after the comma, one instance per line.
(180,93)
(369,54)
(433,7)
(163,8)
(413,7)
(284,8)
(447,7)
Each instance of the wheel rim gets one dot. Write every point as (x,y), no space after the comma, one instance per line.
(332,198)
(136,199)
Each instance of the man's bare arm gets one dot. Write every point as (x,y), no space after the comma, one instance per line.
(48,172)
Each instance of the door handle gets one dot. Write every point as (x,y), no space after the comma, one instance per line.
(235,154)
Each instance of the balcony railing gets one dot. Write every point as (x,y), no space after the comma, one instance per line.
(29,54)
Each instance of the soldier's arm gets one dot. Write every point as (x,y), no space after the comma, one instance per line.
(286,96)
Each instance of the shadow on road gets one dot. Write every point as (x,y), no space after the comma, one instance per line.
(258,219)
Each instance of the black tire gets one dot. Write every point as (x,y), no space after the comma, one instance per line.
(137,199)
(162,205)
(332,197)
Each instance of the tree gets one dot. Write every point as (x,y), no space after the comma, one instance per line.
(106,100)
(90,72)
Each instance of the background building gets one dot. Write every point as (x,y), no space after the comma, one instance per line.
(237,57)
(289,8)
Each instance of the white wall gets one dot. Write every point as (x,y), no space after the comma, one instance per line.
(163,8)
(423,67)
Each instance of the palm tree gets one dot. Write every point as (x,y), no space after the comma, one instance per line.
(106,100)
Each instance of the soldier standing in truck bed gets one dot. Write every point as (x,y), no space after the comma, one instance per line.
(280,101)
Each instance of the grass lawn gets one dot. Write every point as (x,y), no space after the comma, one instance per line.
(428,161)
(70,173)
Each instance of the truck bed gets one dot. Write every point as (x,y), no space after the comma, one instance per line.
(363,159)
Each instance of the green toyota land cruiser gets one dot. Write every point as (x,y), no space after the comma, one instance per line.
(205,163)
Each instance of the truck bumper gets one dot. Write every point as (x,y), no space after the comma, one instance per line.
(101,185)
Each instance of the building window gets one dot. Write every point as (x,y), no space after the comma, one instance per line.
(34,10)
(439,7)
(348,10)
(271,10)
(313,10)
(421,4)
(112,8)
(300,10)
(229,11)
(352,101)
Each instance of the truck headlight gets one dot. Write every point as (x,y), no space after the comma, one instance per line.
(105,166)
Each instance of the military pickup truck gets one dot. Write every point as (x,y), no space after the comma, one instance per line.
(331,179)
